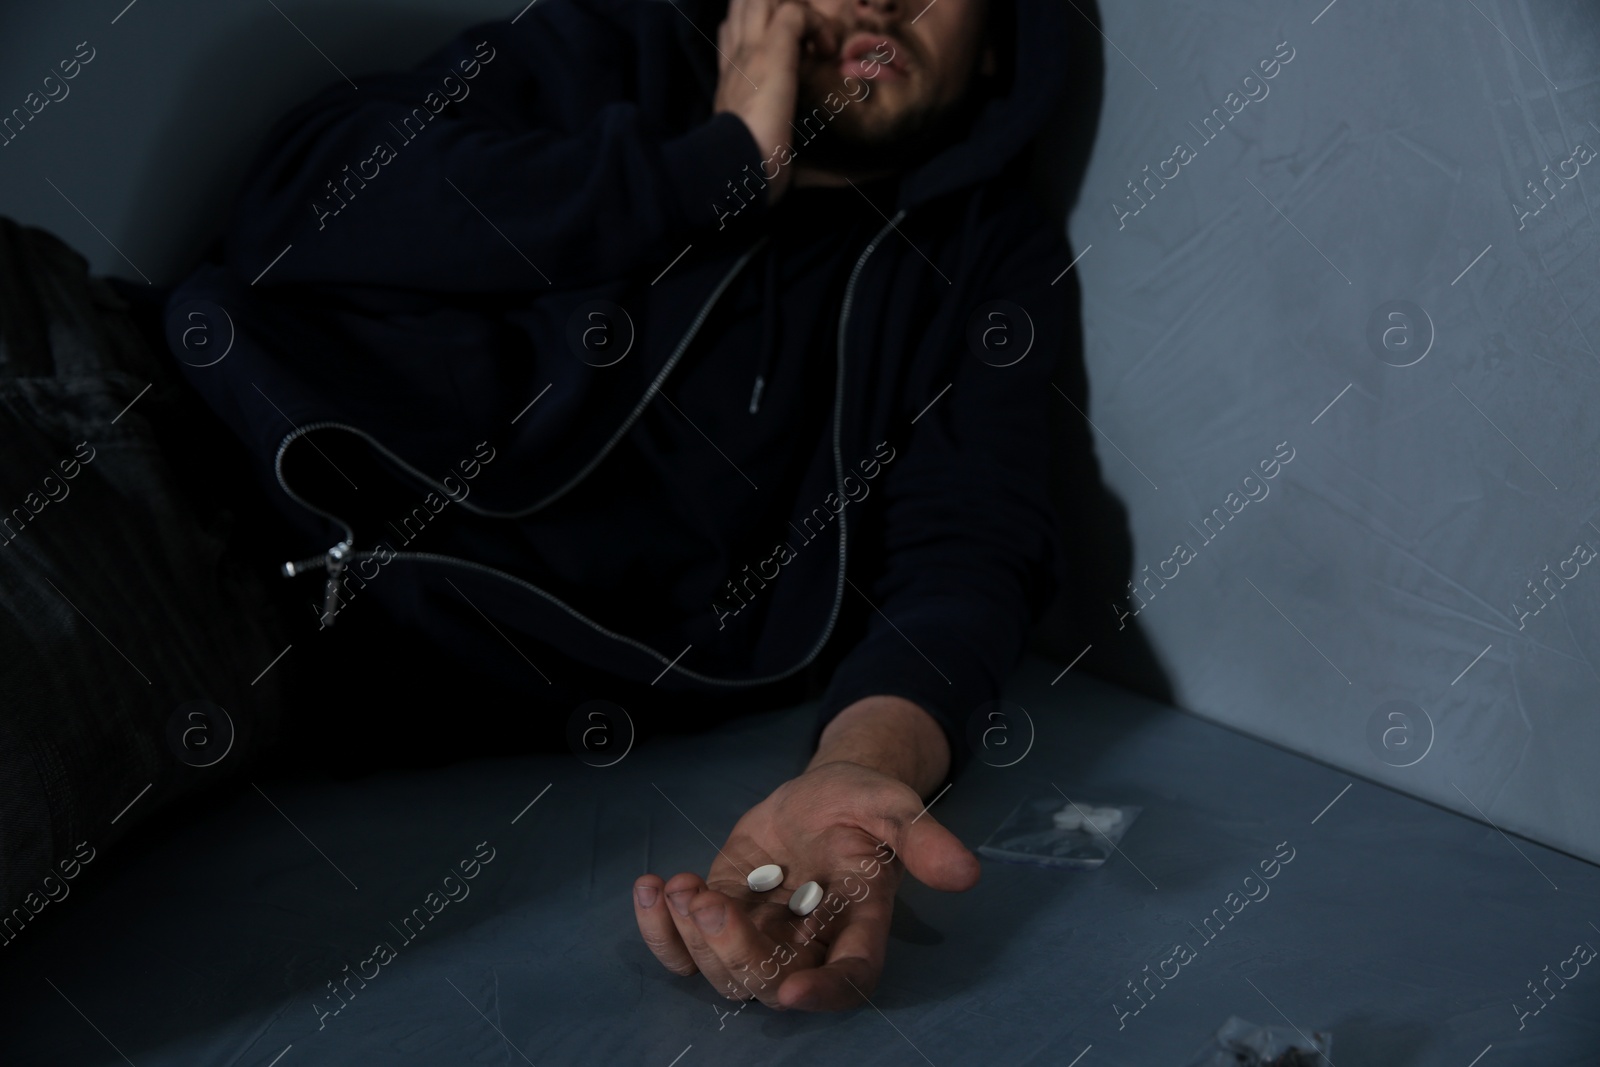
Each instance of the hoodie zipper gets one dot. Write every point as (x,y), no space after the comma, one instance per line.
(341,554)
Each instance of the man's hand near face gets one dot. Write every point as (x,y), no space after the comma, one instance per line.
(759,44)
(858,803)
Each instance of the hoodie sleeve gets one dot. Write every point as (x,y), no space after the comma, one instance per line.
(969,534)
(522,156)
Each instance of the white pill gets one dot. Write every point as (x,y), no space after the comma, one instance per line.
(806,899)
(767,876)
(1068,818)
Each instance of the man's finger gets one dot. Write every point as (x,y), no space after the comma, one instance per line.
(752,960)
(839,984)
(733,19)
(797,20)
(753,18)
(651,910)
(681,891)
(854,962)
(934,856)
(825,34)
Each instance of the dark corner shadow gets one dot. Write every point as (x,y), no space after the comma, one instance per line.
(235,90)
(1096,547)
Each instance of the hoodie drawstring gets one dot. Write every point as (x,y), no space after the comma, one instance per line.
(769,327)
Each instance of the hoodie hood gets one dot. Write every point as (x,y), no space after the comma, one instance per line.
(1008,122)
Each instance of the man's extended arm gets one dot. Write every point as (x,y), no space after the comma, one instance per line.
(968,534)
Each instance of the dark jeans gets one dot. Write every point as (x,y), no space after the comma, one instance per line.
(133,636)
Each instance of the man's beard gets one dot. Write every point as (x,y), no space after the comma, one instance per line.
(908,139)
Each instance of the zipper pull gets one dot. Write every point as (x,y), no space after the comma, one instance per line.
(755,394)
(330,594)
(333,561)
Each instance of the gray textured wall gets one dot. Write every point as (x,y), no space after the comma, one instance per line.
(1250,301)
(1223,319)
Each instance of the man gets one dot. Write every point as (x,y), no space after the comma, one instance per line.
(598,360)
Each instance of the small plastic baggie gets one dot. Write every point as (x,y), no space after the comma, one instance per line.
(1047,831)
(1239,1043)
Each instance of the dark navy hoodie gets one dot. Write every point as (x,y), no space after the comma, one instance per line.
(518,348)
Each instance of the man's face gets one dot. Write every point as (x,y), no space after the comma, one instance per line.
(902,68)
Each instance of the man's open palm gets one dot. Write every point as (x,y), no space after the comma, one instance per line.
(852,830)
